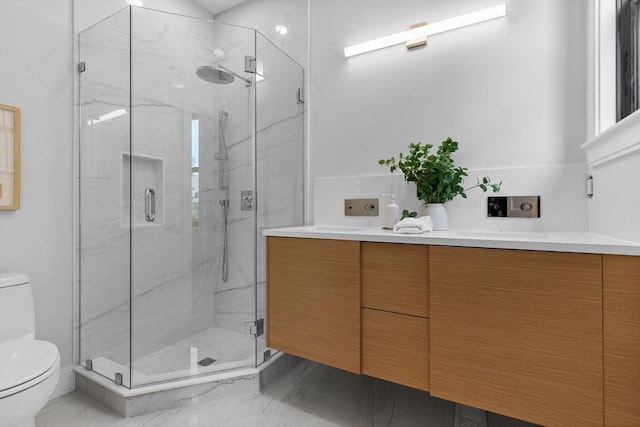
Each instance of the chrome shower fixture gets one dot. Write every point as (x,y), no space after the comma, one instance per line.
(219,74)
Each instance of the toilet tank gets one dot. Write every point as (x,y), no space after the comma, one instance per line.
(17,319)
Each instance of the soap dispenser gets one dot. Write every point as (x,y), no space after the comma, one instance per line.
(391,213)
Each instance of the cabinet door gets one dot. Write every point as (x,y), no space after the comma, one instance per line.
(518,333)
(395,278)
(395,347)
(622,341)
(313,300)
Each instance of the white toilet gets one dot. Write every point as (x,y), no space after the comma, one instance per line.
(29,368)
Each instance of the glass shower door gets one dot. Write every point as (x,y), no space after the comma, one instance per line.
(190,161)
(279,154)
(104,243)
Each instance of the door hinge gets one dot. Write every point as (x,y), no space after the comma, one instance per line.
(300,96)
(257,329)
(250,64)
(82,66)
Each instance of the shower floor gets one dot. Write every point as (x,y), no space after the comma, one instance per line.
(230,350)
(220,344)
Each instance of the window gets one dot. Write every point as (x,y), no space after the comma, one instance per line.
(195,171)
(627,57)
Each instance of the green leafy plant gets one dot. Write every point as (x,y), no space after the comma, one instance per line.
(407,214)
(436,176)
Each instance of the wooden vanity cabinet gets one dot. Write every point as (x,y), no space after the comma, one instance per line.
(621,293)
(313,300)
(518,333)
(395,312)
(547,337)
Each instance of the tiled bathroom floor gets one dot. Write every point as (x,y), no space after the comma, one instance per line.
(310,395)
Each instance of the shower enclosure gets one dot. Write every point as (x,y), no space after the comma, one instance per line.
(191,143)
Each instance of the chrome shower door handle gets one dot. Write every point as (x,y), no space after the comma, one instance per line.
(149,204)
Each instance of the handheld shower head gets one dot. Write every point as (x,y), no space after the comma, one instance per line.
(222,143)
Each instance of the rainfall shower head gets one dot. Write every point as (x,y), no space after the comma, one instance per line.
(218,74)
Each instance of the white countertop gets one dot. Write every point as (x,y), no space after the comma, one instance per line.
(525,240)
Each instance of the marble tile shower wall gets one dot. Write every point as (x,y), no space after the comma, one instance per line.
(278,181)
(233,299)
(171,261)
(280,129)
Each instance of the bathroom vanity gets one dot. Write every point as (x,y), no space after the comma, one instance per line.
(540,327)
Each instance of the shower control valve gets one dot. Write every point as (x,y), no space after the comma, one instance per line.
(246,200)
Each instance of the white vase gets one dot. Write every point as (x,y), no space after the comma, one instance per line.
(438,215)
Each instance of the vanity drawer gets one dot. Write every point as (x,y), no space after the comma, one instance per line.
(395,277)
(395,347)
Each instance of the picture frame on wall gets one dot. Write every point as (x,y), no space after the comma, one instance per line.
(9,157)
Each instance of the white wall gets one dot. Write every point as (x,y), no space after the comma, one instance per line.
(561,209)
(511,90)
(264,15)
(89,12)
(613,210)
(36,45)
(614,162)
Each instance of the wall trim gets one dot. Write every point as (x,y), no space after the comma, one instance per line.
(617,141)
(66,383)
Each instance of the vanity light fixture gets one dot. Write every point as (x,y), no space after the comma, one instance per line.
(428,30)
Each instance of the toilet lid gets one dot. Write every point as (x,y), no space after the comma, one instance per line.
(23,360)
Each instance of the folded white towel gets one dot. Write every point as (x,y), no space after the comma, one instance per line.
(414,225)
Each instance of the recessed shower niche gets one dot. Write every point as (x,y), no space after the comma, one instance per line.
(142,196)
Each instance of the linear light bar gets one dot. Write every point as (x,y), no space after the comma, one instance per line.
(428,30)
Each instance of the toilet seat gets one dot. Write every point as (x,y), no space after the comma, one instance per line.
(25,363)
